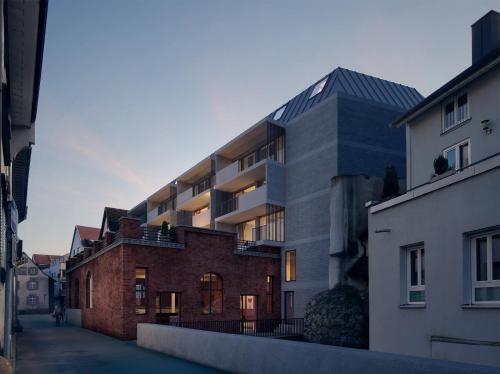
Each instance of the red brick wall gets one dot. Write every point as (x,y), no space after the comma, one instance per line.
(177,270)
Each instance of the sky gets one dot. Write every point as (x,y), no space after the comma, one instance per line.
(133,93)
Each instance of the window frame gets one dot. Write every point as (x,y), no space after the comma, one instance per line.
(292,275)
(269,294)
(456,148)
(419,286)
(158,306)
(211,293)
(454,99)
(34,282)
(489,282)
(145,291)
(35,298)
(89,291)
(34,272)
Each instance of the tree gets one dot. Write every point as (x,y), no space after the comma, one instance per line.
(391,183)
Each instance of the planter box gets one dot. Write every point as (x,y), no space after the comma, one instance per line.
(435,178)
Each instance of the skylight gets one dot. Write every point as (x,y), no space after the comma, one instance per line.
(279,113)
(319,87)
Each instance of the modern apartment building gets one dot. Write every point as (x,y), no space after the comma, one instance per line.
(434,260)
(22,34)
(272,184)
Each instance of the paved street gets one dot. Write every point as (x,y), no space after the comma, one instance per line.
(44,348)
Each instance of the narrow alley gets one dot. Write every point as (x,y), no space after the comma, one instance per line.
(46,348)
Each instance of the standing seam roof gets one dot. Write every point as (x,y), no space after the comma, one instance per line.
(355,84)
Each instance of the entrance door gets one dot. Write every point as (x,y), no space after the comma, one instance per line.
(248,306)
(289,305)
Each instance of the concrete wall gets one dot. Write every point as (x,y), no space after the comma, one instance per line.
(74,317)
(342,135)
(425,141)
(440,220)
(244,354)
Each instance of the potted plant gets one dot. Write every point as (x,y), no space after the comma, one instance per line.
(441,168)
(164,231)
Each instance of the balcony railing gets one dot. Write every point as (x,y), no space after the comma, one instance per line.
(245,245)
(268,232)
(291,327)
(227,206)
(155,234)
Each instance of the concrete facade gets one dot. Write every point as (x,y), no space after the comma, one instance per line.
(169,269)
(245,354)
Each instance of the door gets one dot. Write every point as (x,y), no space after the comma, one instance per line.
(248,304)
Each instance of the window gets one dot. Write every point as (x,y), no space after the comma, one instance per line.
(415,275)
(247,161)
(201,210)
(290,265)
(458,155)
(269,294)
(141,290)
(201,186)
(279,113)
(245,230)
(22,271)
(77,293)
(88,291)
(32,300)
(485,255)
(168,303)
(289,305)
(245,190)
(455,111)
(32,284)
(318,88)
(33,271)
(211,293)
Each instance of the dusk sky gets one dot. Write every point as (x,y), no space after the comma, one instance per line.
(135,92)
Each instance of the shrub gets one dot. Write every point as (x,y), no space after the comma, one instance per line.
(164,228)
(441,165)
(391,184)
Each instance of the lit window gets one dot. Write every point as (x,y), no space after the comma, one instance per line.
(140,290)
(290,260)
(318,87)
(245,190)
(486,268)
(415,275)
(201,210)
(211,293)
(168,303)
(279,113)
(458,155)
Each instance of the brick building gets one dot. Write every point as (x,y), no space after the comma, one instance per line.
(136,275)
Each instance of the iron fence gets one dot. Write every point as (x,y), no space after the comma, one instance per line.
(245,245)
(291,327)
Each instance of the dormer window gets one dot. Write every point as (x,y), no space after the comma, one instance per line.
(318,88)
(455,111)
(279,113)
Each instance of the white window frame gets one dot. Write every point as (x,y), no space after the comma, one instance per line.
(456,147)
(419,286)
(454,99)
(319,87)
(489,270)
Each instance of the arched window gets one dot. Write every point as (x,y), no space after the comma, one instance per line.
(77,293)
(88,288)
(211,293)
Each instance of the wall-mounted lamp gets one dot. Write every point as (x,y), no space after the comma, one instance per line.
(486,126)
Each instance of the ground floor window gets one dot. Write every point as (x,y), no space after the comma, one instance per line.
(248,307)
(290,262)
(289,304)
(168,303)
(32,300)
(211,293)
(141,290)
(89,291)
(485,269)
(269,294)
(415,275)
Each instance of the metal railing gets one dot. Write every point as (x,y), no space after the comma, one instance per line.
(245,245)
(291,327)
(259,233)
(155,234)
(227,206)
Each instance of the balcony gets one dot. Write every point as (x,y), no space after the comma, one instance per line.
(156,216)
(202,219)
(188,200)
(269,235)
(247,206)
(231,178)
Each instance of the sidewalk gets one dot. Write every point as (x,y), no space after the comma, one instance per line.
(45,348)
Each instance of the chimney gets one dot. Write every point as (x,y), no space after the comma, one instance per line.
(485,35)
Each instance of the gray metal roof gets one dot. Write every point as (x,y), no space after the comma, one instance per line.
(355,84)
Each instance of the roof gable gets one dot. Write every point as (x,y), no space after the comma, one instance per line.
(112,217)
